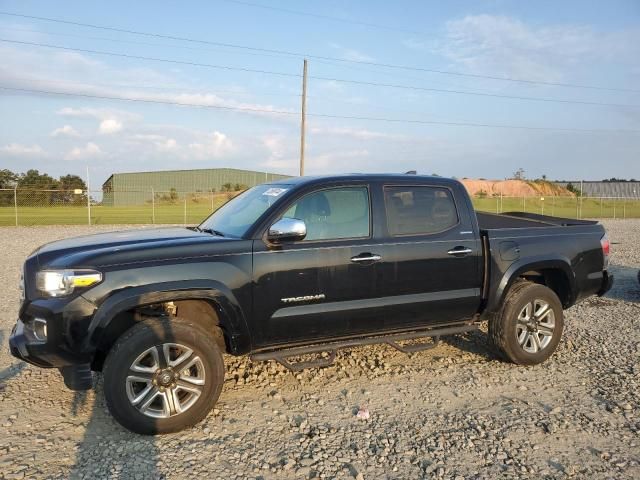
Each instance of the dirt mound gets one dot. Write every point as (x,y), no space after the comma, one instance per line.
(513,188)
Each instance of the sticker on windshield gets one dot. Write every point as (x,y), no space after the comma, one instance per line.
(275,192)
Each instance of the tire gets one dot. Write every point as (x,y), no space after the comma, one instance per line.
(514,338)
(178,392)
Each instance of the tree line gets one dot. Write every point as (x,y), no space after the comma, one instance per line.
(35,188)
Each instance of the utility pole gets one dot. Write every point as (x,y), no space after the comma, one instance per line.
(304,115)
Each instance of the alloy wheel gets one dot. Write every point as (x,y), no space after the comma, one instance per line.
(165,380)
(535,327)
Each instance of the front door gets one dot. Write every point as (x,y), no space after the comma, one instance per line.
(430,267)
(317,287)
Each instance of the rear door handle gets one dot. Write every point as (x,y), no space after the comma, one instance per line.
(460,251)
(366,257)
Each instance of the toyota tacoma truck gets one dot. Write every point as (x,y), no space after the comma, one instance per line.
(292,271)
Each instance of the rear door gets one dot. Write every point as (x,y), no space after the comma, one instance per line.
(314,289)
(430,270)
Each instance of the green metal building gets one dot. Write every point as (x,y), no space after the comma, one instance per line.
(139,188)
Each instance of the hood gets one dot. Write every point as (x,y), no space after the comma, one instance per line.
(112,239)
(123,246)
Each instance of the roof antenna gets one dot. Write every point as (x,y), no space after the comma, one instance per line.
(411,172)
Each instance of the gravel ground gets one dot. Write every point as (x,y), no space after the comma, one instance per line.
(452,412)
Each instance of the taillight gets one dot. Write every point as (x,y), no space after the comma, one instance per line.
(606,248)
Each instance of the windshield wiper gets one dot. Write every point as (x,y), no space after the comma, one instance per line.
(211,231)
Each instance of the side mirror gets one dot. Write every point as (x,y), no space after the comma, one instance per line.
(287,229)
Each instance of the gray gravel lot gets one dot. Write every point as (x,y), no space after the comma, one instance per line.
(452,412)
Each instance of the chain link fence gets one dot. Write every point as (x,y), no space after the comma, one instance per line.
(26,207)
(562,206)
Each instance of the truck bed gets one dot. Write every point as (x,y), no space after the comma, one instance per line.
(515,240)
(491,221)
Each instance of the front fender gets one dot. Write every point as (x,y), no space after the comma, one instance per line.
(517,268)
(232,317)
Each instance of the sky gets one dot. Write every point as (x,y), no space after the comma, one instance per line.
(407,123)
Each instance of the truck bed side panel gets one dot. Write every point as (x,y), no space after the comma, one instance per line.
(575,251)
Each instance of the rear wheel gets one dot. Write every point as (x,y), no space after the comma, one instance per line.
(528,327)
(163,376)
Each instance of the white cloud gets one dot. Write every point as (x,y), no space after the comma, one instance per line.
(415,44)
(99,113)
(90,150)
(167,145)
(505,46)
(213,145)
(18,150)
(66,131)
(357,133)
(280,151)
(351,53)
(331,86)
(110,120)
(109,126)
(340,160)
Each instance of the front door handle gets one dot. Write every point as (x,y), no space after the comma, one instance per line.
(460,251)
(366,257)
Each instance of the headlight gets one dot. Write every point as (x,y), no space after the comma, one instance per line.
(58,283)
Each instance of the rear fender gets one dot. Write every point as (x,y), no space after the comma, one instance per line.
(524,265)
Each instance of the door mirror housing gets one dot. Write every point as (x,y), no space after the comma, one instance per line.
(287,229)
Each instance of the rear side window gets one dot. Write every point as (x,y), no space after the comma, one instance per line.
(334,213)
(417,210)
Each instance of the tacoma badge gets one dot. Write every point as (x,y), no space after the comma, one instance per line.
(305,298)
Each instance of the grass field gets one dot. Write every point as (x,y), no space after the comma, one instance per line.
(166,213)
(191,213)
(570,207)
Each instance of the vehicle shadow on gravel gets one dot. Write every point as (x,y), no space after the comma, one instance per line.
(625,286)
(11,370)
(475,342)
(107,450)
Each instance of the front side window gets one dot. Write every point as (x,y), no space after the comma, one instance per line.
(334,213)
(418,210)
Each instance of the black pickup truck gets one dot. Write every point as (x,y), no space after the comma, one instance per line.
(296,270)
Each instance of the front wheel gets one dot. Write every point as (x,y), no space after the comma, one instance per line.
(528,327)
(162,376)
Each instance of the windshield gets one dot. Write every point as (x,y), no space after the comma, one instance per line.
(235,217)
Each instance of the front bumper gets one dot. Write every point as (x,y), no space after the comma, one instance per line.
(24,345)
(58,346)
(607,283)
(75,369)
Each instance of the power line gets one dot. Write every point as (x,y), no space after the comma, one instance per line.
(155,59)
(335,63)
(331,79)
(148,44)
(324,17)
(318,115)
(479,94)
(180,90)
(147,100)
(206,91)
(319,57)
